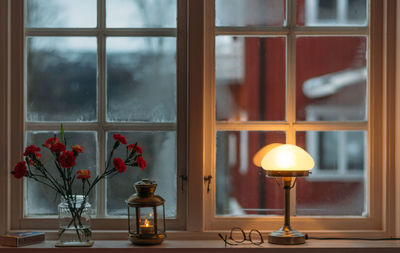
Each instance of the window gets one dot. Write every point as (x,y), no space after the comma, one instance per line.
(232,80)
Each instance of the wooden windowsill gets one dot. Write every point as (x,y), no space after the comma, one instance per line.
(210,246)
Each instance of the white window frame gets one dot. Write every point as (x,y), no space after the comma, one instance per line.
(100,32)
(378,138)
(199,45)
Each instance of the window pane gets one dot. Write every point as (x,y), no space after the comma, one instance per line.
(332,12)
(338,180)
(242,188)
(141,79)
(250,78)
(250,12)
(61,13)
(40,199)
(141,13)
(61,80)
(331,78)
(159,151)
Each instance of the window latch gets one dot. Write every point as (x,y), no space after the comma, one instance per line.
(183,178)
(209,182)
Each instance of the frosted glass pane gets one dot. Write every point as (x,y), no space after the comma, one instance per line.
(40,199)
(250,12)
(242,188)
(61,80)
(250,78)
(141,79)
(141,13)
(61,13)
(159,151)
(338,180)
(332,12)
(331,78)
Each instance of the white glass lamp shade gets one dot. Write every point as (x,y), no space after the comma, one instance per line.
(287,157)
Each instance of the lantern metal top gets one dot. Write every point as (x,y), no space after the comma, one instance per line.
(144,196)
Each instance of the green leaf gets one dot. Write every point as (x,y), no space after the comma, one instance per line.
(62,133)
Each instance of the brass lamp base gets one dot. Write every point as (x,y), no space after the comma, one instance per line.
(286,235)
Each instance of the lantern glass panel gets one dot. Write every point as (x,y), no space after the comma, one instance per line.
(146,220)
(132,220)
(160,219)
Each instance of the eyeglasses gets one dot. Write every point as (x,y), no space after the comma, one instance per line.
(238,236)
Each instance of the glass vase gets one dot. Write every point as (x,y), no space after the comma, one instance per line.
(74,222)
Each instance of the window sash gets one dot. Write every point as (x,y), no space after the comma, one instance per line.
(376,207)
(101,126)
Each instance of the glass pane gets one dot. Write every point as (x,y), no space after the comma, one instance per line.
(250,12)
(61,80)
(141,13)
(141,79)
(159,151)
(40,199)
(338,180)
(331,78)
(250,78)
(61,13)
(242,188)
(332,12)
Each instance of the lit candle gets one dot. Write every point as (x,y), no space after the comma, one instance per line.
(146,227)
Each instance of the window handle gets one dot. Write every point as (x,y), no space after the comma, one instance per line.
(209,182)
(183,178)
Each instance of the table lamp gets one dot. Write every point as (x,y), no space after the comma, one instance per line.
(286,161)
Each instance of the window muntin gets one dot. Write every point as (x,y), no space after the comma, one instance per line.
(307,51)
(124,87)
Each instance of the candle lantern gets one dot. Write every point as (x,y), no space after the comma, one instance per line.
(146,214)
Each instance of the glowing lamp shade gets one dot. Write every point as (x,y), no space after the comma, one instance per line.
(262,152)
(287,157)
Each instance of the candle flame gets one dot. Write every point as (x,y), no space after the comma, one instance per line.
(146,223)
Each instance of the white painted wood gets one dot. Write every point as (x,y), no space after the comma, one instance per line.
(4,114)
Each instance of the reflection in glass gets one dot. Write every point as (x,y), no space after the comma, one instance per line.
(250,78)
(61,13)
(337,184)
(61,79)
(141,79)
(241,187)
(331,78)
(159,151)
(250,12)
(40,200)
(332,12)
(141,13)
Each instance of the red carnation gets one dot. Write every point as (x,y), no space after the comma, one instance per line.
(19,170)
(57,147)
(77,149)
(141,162)
(83,174)
(67,159)
(32,149)
(119,138)
(50,141)
(119,165)
(137,148)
